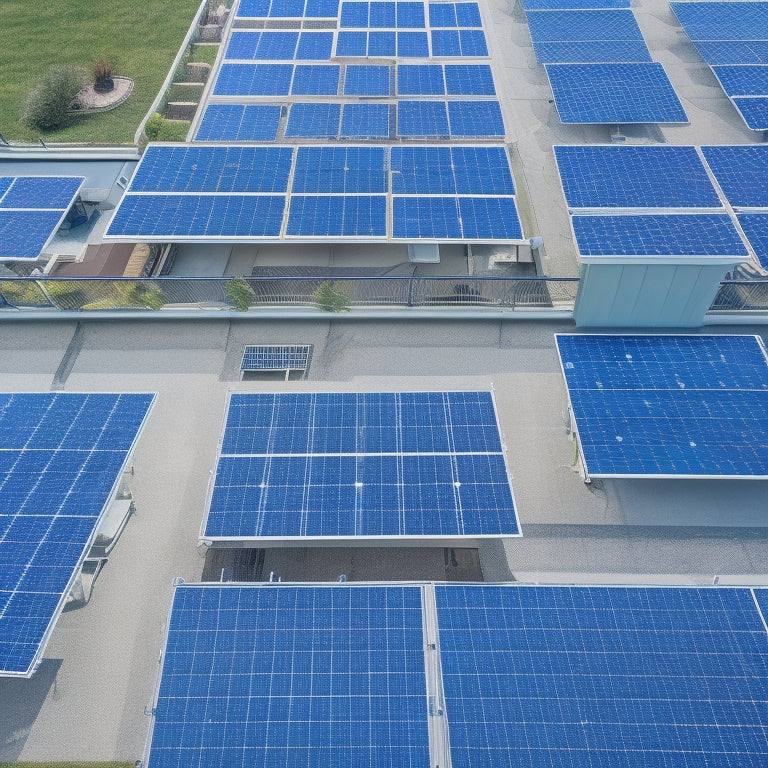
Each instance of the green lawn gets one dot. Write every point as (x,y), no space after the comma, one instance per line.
(141,38)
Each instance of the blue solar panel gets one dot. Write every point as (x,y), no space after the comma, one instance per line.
(614,94)
(454,15)
(469,80)
(352,44)
(599,51)
(276,357)
(410,15)
(321,9)
(354,14)
(354,216)
(360,121)
(286,8)
(733,51)
(422,118)
(381,15)
(754,111)
(383,44)
(349,170)
(367,80)
(24,234)
(253,80)
(445,42)
(361,464)
(313,120)
(723,20)
(5,183)
(602,676)
(316,80)
(263,46)
(741,172)
(211,168)
(282,675)
(253,8)
(198,216)
(426,218)
(755,226)
(239,122)
(634,176)
(489,218)
(468,15)
(574,5)
(583,25)
(420,80)
(41,192)
(61,455)
(669,405)
(475,118)
(482,171)
(658,235)
(743,80)
(315,46)
(412,45)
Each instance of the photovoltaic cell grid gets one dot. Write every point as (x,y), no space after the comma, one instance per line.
(741,171)
(282,675)
(599,676)
(61,455)
(340,465)
(543,5)
(635,177)
(583,26)
(732,37)
(614,51)
(670,406)
(755,226)
(31,210)
(280,357)
(614,94)
(239,122)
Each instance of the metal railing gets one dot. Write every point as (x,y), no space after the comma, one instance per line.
(741,296)
(101,294)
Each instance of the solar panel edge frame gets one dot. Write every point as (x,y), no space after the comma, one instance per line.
(587,474)
(508,471)
(37,658)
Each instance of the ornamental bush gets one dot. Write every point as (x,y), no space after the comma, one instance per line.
(47,104)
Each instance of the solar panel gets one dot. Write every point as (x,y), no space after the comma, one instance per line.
(741,172)
(276,357)
(542,5)
(410,15)
(315,46)
(239,122)
(31,210)
(445,42)
(420,80)
(743,80)
(360,464)
(475,118)
(354,14)
(755,226)
(381,14)
(489,218)
(583,25)
(264,46)
(412,45)
(367,80)
(197,217)
(253,80)
(360,121)
(313,120)
(253,8)
(351,44)
(599,51)
(321,9)
(426,218)
(672,406)
(61,456)
(454,15)
(634,176)
(422,118)
(355,216)
(288,675)
(697,234)
(733,51)
(469,80)
(316,80)
(614,94)
(472,43)
(286,8)
(212,168)
(754,111)
(344,169)
(482,170)
(382,44)
(599,676)
(722,20)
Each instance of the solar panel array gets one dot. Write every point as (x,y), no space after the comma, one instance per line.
(197,192)
(668,406)
(32,208)
(276,357)
(61,455)
(660,200)
(342,465)
(732,37)
(599,67)
(461,674)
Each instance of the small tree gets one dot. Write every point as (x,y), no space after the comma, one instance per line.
(328,298)
(47,105)
(239,294)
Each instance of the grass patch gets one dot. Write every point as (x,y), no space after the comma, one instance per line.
(67,765)
(185,92)
(140,38)
(204,54)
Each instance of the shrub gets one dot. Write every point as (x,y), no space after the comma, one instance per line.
(102,69)
(328,298)
(239,294)
(153,126)
(48,102)
(159,128)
